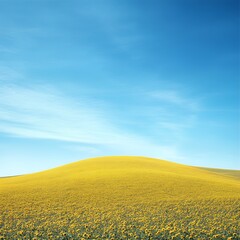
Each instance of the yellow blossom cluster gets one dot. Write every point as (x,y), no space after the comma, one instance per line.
(120,198)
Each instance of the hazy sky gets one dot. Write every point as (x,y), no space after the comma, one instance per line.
(80,79)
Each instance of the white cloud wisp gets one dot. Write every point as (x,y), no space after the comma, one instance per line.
(43,113)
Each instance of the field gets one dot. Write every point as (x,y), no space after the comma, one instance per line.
(121,198)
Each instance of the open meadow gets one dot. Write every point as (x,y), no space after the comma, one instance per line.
(121,198)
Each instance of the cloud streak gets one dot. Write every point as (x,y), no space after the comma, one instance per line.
(42,112)
(175,98)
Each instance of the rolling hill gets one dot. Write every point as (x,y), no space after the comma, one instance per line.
(121,198)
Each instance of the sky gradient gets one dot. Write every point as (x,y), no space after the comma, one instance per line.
(81,79)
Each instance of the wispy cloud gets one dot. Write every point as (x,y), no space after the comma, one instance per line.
(176,98)
(7,74)
(31,111)
(174,112)
(42,112)
(116,26)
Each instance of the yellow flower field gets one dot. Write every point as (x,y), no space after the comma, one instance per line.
(121,198)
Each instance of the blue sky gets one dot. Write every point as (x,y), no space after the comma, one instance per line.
(89,78)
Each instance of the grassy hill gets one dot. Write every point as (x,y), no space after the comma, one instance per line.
(121,198)
(225,172)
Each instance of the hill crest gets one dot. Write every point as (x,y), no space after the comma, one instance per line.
(127,175)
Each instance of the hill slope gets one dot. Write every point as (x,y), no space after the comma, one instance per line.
(225,172)
(106,193)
